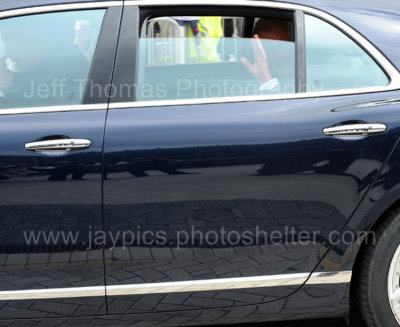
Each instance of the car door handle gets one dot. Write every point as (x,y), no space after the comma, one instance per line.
(355,129)
(58,145)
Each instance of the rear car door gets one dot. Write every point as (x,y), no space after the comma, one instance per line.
(51,136)
(225,189)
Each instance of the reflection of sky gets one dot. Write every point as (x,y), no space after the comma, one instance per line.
(378,21)
(336,62)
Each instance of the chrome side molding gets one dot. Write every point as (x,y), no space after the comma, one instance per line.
(209,285)
(299,279)
(53,293)
(51,109)
(230,283)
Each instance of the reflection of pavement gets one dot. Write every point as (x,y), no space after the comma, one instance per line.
(38,190)
(304,323)
(215,183)
(227,183)
(224,183)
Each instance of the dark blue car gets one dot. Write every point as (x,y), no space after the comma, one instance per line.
(178,163)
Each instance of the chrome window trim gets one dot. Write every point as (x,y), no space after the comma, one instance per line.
(64,108)
(386,65)
(56,8)
(47,9)
(381,60)
(351,32)
(319,278)
(252,98)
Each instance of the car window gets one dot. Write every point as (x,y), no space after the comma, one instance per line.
(192,57)
(45,59)
(335,62)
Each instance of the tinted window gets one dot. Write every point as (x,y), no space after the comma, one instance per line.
(45,59)
(209,57)
(335,62)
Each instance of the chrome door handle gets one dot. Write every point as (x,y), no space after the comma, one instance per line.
(355,129)
(58,145)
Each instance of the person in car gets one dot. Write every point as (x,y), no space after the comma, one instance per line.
(269,29)
(32,69)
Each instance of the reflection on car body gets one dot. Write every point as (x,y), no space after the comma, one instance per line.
(198,163)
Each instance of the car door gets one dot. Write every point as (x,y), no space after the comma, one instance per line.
(221,190)
(51,136)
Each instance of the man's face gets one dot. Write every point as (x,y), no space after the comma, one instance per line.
(277,33)
(281,55)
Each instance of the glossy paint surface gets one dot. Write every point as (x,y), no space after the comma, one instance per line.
(250,169)
(177,174)
(383,196)
(57,200)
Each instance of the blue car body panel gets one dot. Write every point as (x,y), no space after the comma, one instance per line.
(242,167)
(212,167)
(48,194)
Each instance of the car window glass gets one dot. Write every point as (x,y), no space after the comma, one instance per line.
(191,57)
(335,62)
(45,59)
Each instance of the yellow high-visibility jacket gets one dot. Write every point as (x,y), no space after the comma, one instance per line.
(212,28)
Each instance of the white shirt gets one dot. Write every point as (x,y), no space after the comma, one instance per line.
(271,84)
